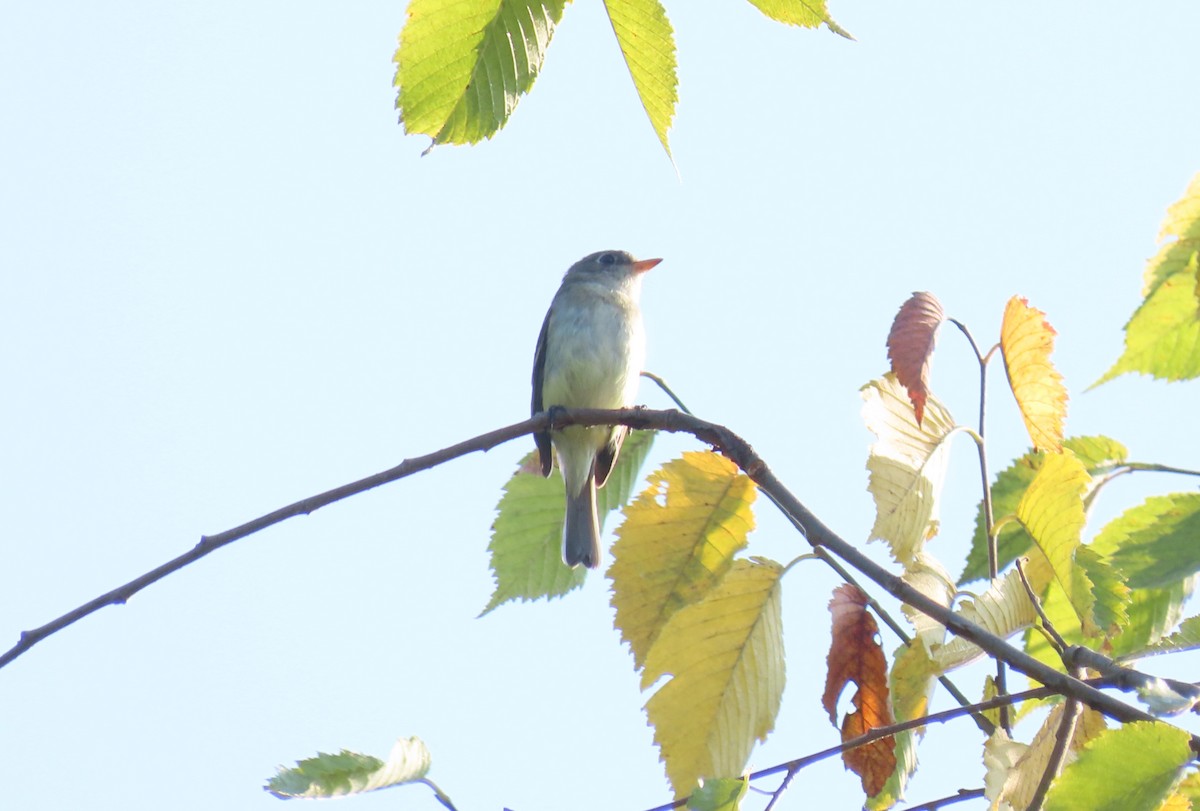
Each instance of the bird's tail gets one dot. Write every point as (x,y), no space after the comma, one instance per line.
(581,527)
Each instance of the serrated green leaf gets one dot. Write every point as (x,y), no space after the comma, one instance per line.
(804,13)
(348,772)
(907,466)
(719,794)
(526,542)
(1155,543)
(677,542)
(648,45)
(1149,759)
(1096,452)
(724,656)
(1112,594)
(462,65)
(1162,338)
(1152,614)
(1187,637)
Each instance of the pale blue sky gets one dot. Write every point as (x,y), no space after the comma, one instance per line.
(231,282)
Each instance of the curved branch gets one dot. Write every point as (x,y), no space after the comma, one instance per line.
(721,438)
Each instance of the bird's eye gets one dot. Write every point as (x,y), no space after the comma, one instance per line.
(607,259)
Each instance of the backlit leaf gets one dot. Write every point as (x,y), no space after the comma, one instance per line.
(907,466)
(1002,610)
(719,794)
(1157,542)
(1052,512)
(1163,336)
(855,656)
(1098,453)
(526,543)
(1148,758)
(910,346)
(724,656)
(677,542)
(351,773)
(648,45)
(804,13)
(1031,763)
(1027,340)
(462,65)
(1186,638)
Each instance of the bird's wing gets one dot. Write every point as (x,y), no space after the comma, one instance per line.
(542,438)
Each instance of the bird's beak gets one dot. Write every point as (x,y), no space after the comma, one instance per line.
(644,265)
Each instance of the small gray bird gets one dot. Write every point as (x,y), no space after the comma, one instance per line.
(589,355)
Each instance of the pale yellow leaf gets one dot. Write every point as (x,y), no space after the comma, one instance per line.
(724,657)
(907,466)
(1002,610)
(677,541)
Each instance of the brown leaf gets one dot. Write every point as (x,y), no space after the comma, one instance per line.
(910,345)
(856,656)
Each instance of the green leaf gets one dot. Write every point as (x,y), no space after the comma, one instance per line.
(462,65)
(804,13)
(1096,452)
(1152,614)
(1052,512)
(526,543)
(1131,768)
(677,542)
(1163,336)
(719,794)
(1186,638)
(648,45)
(1155,544)
(724,656)
(351,773)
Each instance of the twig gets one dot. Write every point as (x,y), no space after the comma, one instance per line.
(1056,639)
(962,795)
(988,517)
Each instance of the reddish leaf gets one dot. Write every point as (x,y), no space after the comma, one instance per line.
(910,345)
(856,656)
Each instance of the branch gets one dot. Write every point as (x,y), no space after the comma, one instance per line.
(728,443)
(962,795)
(211,543)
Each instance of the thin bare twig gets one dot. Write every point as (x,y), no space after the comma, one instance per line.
(988,517)
(962,795)
(1056,639)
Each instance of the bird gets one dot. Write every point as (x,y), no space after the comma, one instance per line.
(589,355)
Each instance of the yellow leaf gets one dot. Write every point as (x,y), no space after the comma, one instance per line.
(1027,339)
(724,655)
(907,466)
(677,541)
(1052,512)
